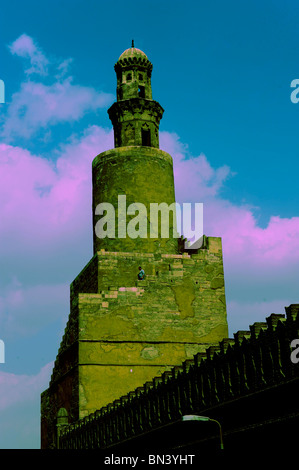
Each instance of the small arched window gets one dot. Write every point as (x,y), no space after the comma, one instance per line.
(140,77)
(129,77)
(145,137)
(141,91)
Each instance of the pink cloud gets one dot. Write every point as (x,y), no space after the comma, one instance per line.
(275,245)
(43,202)
(244,242)
(195,178)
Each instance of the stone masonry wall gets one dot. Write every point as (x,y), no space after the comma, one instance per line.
(122,332)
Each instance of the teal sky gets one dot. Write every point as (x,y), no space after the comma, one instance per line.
(222,72)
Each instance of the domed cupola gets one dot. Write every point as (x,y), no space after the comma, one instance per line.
(133,71)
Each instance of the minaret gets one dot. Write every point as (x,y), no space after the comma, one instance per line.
(135,116)
(122,332)
(136,168)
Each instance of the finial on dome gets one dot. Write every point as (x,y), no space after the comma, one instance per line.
(133,43)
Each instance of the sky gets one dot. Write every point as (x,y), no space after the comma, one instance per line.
(222,71)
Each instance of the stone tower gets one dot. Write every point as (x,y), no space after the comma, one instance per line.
(136,167)
(122,332)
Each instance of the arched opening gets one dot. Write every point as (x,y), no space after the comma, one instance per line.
(141,91)
(146,137)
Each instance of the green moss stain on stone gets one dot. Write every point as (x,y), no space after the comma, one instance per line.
(217,282)
(150,352)
(185,295)
(208,268)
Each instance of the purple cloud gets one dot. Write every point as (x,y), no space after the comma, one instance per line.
(243,240)
(20,408)
(26,48)
(37,105)
(22,388)
(195,179)
(45,203)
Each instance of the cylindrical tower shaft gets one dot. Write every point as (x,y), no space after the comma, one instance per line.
(133,184)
